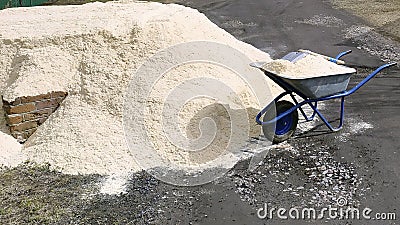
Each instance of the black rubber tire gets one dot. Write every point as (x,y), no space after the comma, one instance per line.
(270,133)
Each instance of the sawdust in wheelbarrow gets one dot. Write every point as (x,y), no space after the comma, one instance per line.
(308,66)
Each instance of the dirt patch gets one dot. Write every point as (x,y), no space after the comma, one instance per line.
(384,15)
(34,194)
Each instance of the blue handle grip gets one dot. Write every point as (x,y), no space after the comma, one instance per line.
(342,54)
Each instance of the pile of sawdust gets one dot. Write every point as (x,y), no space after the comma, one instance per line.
(11,151)
(308,66)
(38,71)
(92,51)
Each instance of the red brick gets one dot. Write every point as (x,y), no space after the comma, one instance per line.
(24,126)
(20,108)
(30,116)
(11,120)
(36,98)
(42,120)
(17,101)
(38,113)
(58,94)
(30,132)
(46,104)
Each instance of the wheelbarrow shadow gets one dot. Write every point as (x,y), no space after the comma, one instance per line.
(217,135)
(318,130)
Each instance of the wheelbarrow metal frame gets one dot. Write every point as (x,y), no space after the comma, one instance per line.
(313,103)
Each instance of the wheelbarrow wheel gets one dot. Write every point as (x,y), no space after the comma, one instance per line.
(285,127)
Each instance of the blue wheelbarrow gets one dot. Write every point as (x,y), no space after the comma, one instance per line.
(281,116)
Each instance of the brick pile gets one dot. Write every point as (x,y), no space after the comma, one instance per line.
(25,114)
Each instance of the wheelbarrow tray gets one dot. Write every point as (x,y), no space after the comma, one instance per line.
(320,86)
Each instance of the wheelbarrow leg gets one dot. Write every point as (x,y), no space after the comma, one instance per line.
(302,111)
(327,122)
(314,113)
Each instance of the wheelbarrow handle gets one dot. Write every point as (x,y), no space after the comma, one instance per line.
(369,77)
(340,55)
